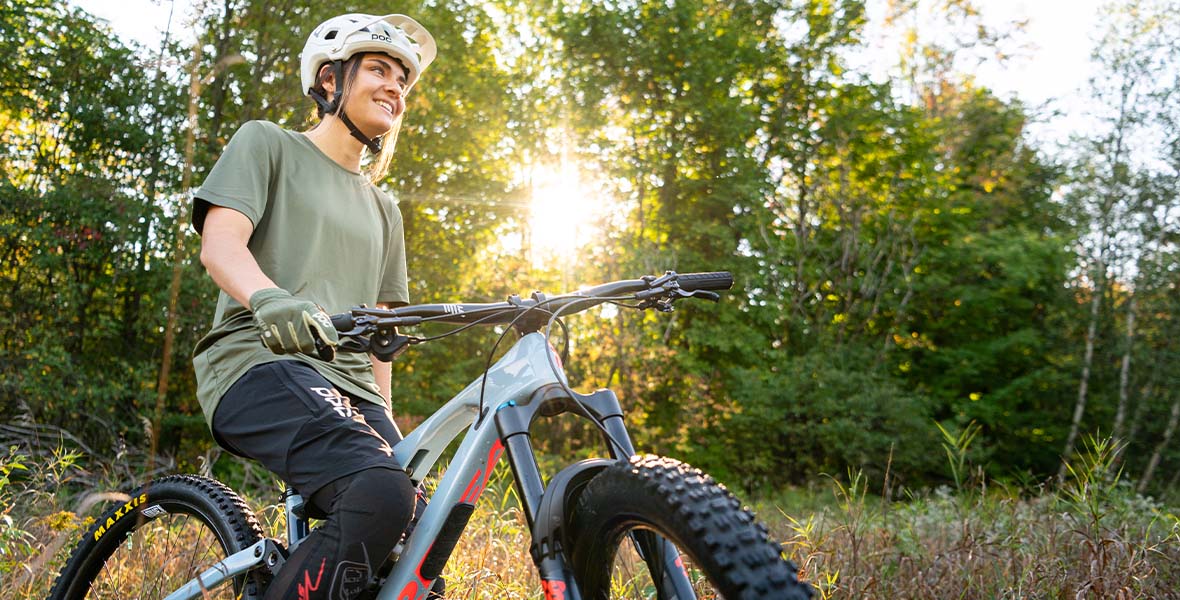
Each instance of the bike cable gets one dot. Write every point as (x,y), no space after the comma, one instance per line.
(440,336)
(566,388)
(549,355)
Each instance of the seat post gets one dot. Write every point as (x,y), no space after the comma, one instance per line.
(297,525)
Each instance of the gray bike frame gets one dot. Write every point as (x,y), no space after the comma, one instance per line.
(525,368)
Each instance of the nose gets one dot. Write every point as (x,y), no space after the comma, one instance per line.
(396,88)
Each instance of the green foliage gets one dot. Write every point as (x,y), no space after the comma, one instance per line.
(1093,480)
(957,444)
(80,223)
(15,543)
(813,415)
(29,514)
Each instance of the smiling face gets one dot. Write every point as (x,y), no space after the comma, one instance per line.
(373,97)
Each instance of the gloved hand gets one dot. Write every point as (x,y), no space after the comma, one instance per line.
(288,324)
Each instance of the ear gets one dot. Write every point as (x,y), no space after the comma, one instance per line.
(327,78)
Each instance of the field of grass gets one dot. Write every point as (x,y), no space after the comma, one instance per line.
(1088,537)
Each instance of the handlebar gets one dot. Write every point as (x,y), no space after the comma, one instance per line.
(650,289)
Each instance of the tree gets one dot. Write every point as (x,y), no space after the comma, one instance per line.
(1133,51)
(77,230)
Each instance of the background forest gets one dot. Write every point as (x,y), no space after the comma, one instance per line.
(914,272)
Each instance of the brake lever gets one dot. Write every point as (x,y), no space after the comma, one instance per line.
(703,294)
(388,345)
(663,302)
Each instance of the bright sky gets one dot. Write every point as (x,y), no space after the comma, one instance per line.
(141,20)
(1049,69)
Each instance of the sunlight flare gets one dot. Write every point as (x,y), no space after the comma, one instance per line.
(562,215)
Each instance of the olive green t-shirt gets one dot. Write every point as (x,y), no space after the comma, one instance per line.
(321,232)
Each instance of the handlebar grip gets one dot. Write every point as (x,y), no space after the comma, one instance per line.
(343,322)
(720,280)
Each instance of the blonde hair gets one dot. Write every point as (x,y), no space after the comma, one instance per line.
(378,166)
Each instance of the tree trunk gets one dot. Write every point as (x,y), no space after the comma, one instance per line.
(178,250)
(1154,462)
(1124,372)
(1083,385)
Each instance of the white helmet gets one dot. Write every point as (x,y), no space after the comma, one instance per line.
(339,38)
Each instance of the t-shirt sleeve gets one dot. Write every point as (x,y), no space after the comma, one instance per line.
(394,287)
(241,177)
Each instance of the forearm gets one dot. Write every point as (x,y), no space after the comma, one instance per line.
(234,270)
(383,373)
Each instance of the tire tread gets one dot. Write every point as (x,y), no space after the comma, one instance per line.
(710,523)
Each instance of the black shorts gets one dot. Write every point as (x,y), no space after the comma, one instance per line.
(286,416)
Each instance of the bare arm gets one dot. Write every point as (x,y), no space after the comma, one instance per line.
(226,256)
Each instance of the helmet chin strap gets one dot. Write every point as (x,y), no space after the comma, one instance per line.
(374,144)
(329,108)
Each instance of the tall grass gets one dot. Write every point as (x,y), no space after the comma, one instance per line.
(1088,537)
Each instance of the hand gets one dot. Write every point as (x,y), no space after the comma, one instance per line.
(288,324)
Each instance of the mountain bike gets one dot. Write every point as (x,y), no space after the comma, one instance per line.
(627,526)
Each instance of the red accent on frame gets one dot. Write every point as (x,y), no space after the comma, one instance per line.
(557,357)
(480,480)
(420,586)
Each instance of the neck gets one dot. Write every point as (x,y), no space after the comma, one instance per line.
(331,136)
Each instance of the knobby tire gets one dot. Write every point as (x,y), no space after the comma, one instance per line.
(213,522)
(720,539)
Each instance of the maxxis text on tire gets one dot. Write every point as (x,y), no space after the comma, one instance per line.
(203,504)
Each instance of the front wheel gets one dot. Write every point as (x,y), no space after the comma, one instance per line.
(615,538)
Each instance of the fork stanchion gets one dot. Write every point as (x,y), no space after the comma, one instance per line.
(618,433)
(527,475)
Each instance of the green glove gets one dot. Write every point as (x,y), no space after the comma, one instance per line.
(289,324)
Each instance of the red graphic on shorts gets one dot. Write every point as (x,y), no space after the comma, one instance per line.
(554,590)
(306,588)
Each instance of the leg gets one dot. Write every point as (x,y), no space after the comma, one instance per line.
(367,513)
(286,416)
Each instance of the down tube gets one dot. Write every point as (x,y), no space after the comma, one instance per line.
(446,516)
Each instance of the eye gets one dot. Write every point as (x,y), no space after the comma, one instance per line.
(378,69)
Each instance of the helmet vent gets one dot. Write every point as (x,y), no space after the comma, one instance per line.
(332,34)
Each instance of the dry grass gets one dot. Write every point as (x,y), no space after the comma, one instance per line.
(1086,539)
(997,546)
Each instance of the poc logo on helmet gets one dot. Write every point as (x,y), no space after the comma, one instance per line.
(383,38)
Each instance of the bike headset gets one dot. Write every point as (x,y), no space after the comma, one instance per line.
(340,38)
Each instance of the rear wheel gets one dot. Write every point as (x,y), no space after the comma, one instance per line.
(613,538)
(168,532)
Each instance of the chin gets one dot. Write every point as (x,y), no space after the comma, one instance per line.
(380,126)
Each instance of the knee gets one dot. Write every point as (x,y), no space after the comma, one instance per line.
(388,490)
(383,501)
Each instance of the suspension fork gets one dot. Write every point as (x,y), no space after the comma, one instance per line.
(545,508)
(545,512)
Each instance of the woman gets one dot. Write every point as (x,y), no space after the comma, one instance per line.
(291,229)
